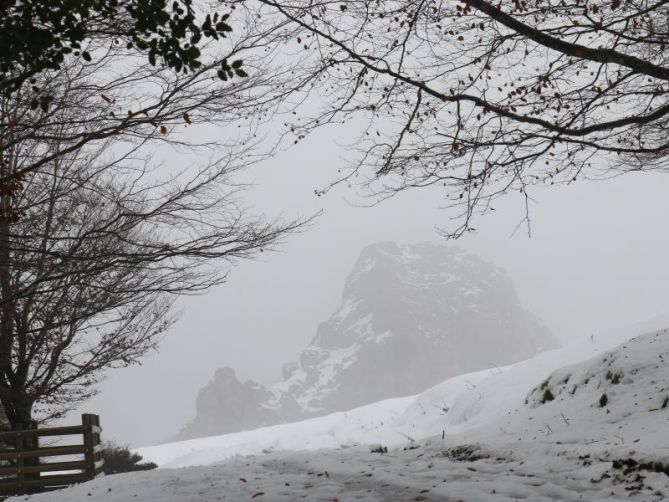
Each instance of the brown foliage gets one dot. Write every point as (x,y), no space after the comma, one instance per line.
(487,98)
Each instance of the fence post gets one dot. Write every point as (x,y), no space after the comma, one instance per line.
(97,455)
(31,442)
(87,423)
(18,445)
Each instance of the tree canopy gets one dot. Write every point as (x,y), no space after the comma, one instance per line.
(114,202)
(37,35)
(487,98)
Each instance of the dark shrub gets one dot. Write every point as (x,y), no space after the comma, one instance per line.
(603,401)
(548,396)
(121,459)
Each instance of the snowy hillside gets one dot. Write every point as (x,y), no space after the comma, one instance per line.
(410,317)
(537,430)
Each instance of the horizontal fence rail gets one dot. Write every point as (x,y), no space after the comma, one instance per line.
(22,469)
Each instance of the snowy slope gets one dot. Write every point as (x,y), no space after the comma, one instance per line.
(537,430)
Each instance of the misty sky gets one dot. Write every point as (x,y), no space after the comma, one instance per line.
(597,259)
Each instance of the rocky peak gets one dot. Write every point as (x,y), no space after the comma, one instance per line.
(227,399)
(410,317)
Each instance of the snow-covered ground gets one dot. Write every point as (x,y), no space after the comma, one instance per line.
(585,422)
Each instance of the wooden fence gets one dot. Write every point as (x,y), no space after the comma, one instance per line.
(23,468)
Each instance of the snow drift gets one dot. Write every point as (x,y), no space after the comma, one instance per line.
(537,430)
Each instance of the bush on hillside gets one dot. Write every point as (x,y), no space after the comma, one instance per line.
(120,459)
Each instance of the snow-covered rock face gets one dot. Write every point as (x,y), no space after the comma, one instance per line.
(605,383)
(410,317)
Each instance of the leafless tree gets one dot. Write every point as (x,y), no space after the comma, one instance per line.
(97,236)
(487,98)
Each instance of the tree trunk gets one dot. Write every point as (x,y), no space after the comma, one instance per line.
(24,422)
(6,307)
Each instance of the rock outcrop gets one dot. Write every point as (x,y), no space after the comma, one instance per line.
(237,404)
(410,317)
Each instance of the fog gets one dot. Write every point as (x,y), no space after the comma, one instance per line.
(595,261)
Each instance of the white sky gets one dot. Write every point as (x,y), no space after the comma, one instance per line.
(597,259)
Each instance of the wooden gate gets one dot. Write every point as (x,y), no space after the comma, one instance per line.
(26,466)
